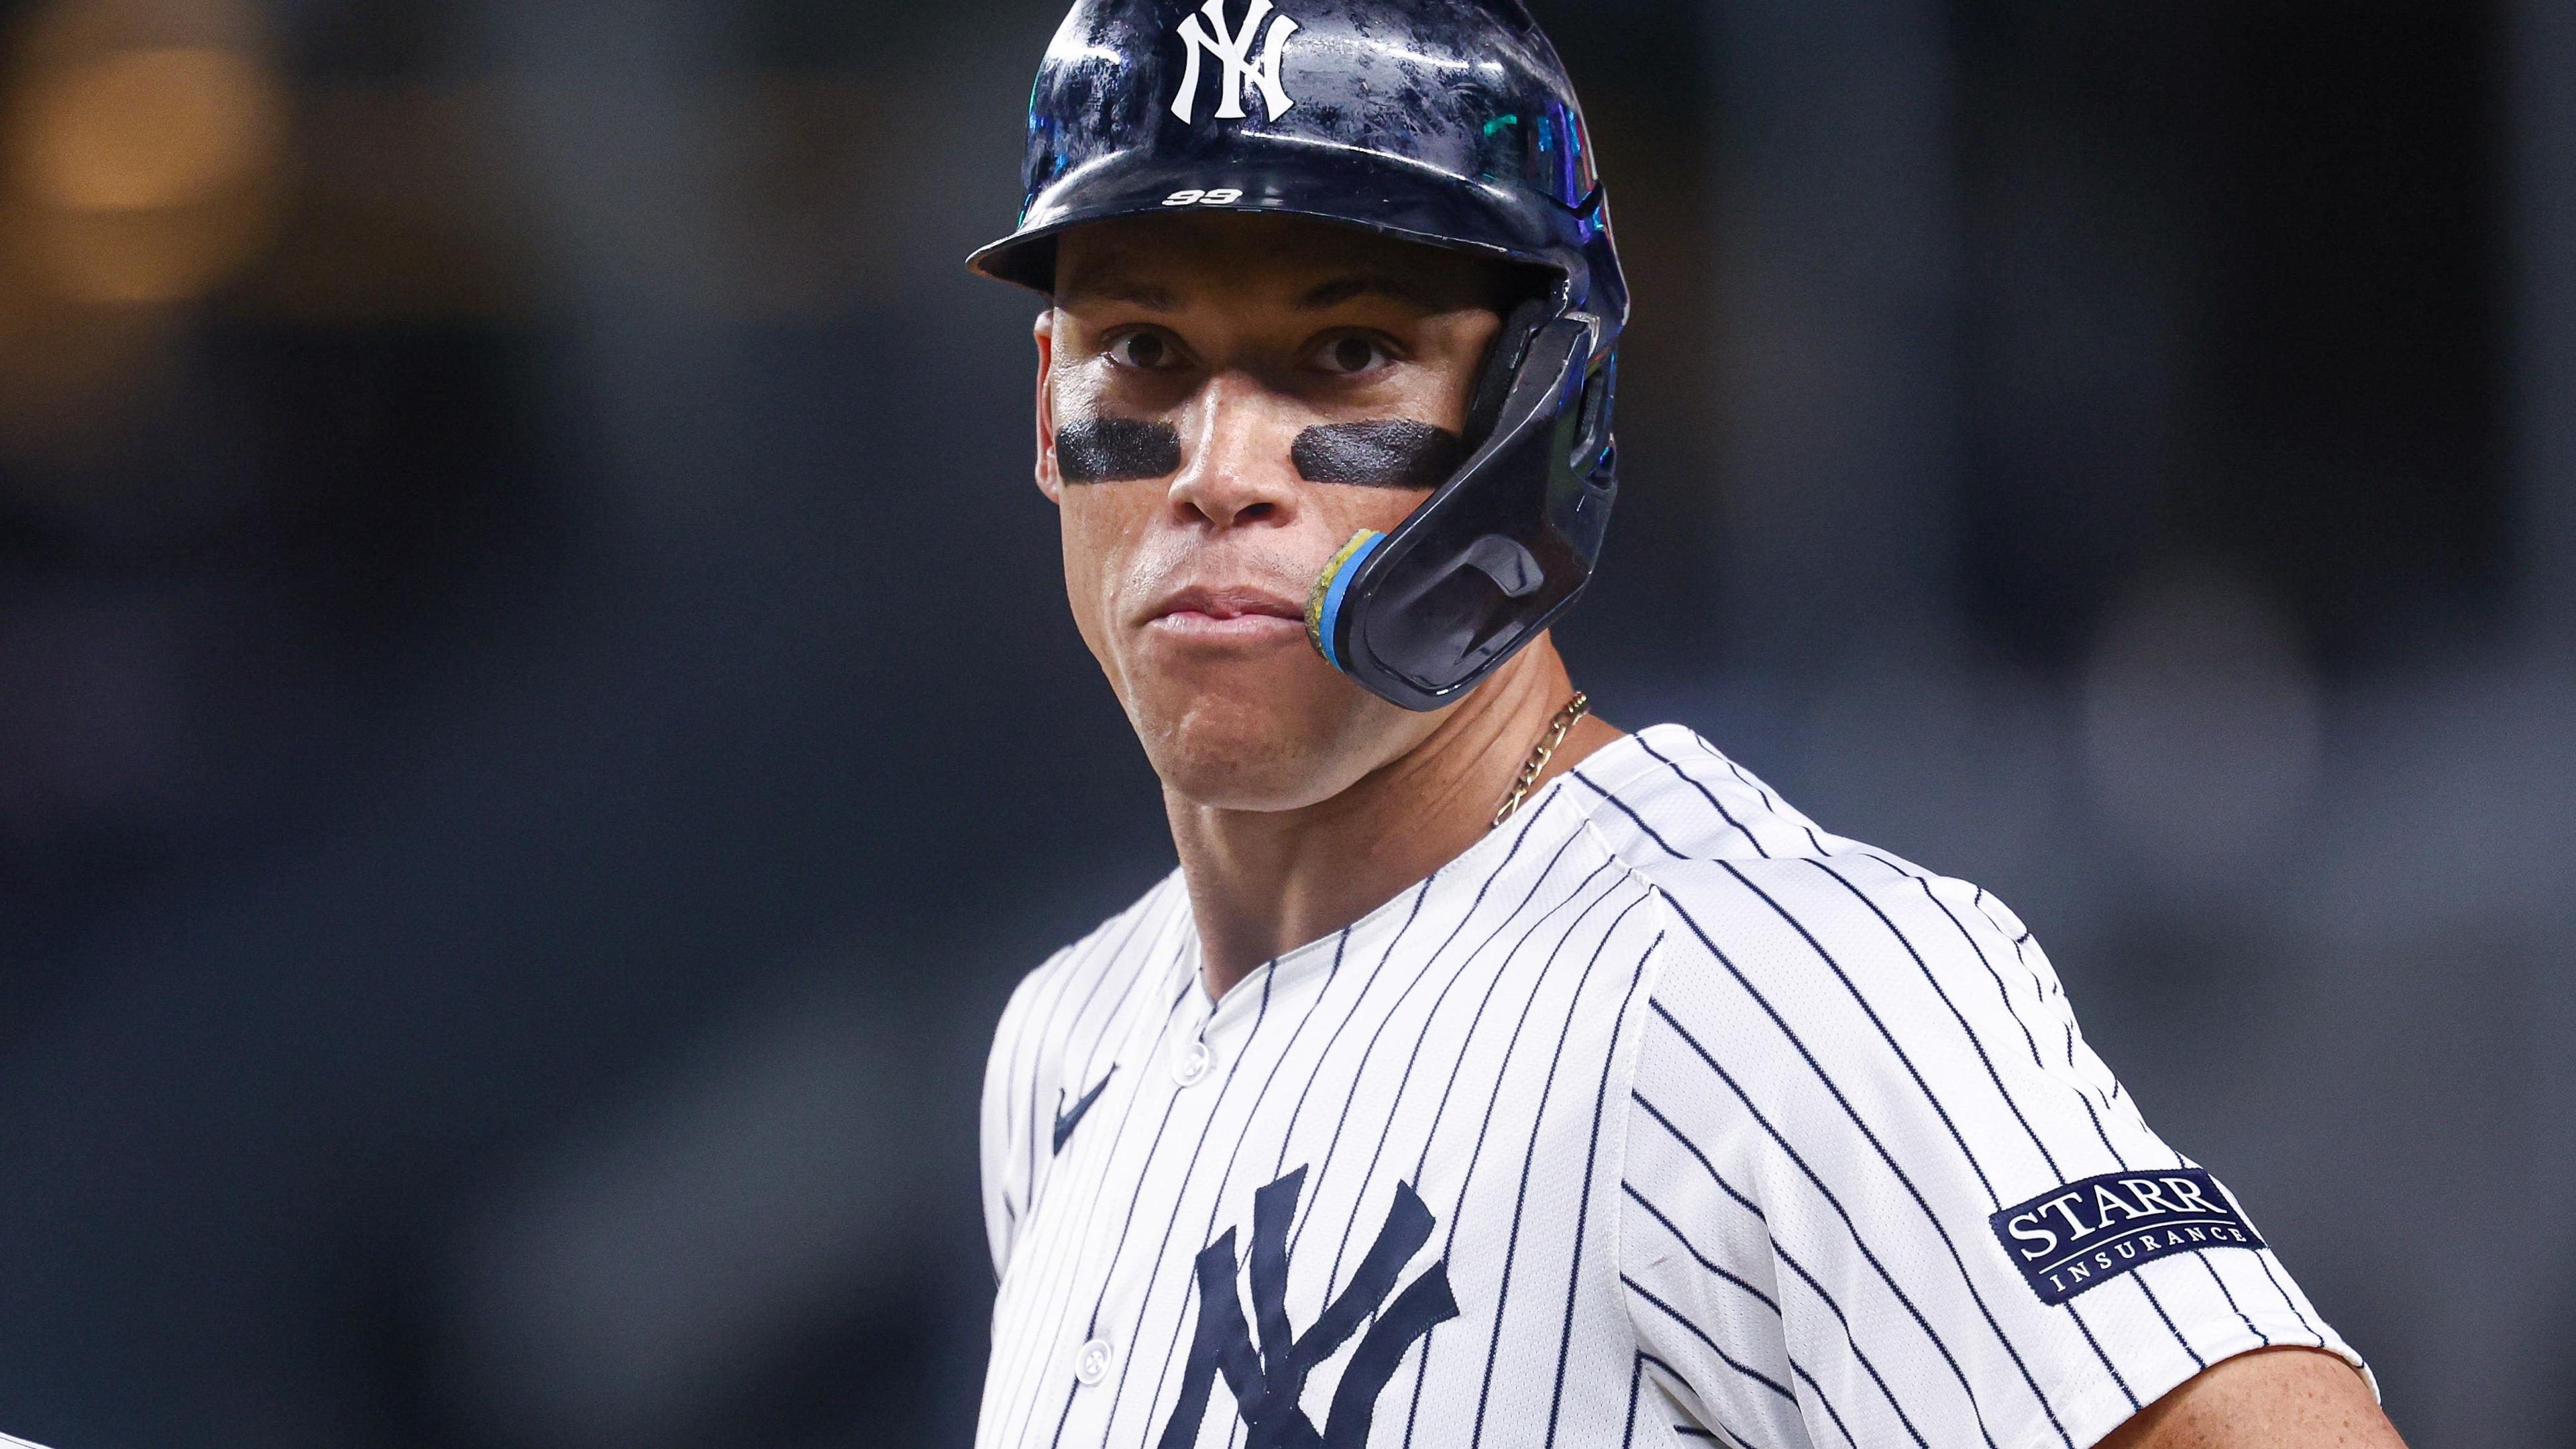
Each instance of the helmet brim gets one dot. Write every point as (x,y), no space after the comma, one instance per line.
(1290,176)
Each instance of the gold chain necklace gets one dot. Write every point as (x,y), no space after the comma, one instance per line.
(1557,730)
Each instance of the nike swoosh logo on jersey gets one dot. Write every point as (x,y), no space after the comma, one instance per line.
(1066,1121)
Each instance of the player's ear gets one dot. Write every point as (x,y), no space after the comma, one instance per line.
(1050,481)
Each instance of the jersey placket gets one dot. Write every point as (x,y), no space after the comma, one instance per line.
(1216,1068)
(1185,1086)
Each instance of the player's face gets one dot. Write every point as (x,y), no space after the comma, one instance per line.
(1199,375)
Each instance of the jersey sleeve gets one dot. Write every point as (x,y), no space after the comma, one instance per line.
(1006,1128)
(1877,1190)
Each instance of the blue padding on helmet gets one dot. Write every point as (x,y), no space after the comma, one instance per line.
(1332,616)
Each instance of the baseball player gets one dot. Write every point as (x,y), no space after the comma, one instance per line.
(1484,1075)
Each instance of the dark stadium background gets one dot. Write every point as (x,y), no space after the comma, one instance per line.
(537,726)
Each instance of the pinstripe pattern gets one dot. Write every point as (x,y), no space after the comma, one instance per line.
(1706,1108)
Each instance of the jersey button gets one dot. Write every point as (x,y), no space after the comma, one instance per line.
(1092,1365)
(1191,1066)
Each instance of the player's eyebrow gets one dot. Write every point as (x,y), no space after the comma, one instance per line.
(1108,284)
(1112,286)
(1416,295)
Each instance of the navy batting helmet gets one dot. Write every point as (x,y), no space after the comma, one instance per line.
(1445,122)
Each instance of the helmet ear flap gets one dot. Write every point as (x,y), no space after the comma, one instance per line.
(1503,368)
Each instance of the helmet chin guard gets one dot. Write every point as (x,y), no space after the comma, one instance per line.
(1423,615)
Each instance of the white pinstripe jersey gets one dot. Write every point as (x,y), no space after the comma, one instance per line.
(1660,1116)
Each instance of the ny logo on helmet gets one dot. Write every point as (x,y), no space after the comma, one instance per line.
(1233,50)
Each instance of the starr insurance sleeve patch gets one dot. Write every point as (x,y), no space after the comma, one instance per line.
(2075,1238)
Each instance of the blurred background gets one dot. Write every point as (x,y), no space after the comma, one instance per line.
(537,726)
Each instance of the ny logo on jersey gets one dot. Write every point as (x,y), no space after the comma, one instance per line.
(1233,49)
(1268,1383)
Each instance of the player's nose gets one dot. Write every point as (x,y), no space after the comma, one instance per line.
(1238,472)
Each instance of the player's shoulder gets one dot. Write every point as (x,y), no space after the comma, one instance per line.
(1752,886)
(1116,950)
(1664,796)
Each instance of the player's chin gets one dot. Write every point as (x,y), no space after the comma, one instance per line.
(1251,733)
